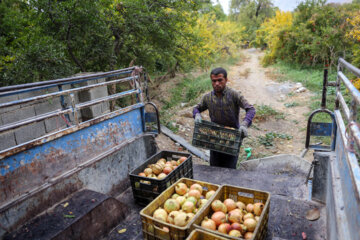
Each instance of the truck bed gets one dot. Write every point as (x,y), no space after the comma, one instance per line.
(288,206)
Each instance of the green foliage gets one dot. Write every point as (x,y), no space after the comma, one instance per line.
(291,104)
(42,40)
(268,139)
(317,35)
(264,112)
(250,14)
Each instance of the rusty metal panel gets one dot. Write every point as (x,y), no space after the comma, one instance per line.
(23,171)
(349,172)
(106,173)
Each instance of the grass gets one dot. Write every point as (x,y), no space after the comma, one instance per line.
(264,112)
(312,79)
(291,104)
(268,139)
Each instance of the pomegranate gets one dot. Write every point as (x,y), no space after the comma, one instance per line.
(248,235)
(202,202)
(163,160)
(192,199)
(258,207)
(240,205)
(194,193)
(196,186)
(230,204)
(171,217)
(152,176)
(236,226)
(248,215)
(160,214)
(174,163)
(175,196)
(257,218)
(250,224)
(142,174)
(250,208)
(235,233)
(147,171)
(208,224)
(181,200)
(224,228)
(169,165)
(182,159)
(218,217)
(188,207)
(243,229)
(209,194)
(171,205)
(181,219)
(161,176)
(156,168)
(235,216)
(167,170)
(217,205)
(190,216)
(181,189)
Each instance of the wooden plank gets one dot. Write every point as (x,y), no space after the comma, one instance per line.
(184,143)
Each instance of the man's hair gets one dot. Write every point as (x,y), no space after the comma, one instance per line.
(219,70)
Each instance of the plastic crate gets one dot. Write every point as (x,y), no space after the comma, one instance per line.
(147,189)
(245,195)
(153,229)
(215,137)
(199,234)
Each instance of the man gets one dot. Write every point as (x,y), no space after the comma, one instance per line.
(224,106)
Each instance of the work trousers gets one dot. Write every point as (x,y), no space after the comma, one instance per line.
(218,159)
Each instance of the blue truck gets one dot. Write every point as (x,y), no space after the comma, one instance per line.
(68,146)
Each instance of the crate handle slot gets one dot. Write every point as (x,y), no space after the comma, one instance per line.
(147,183)
(159,229)
(244,194)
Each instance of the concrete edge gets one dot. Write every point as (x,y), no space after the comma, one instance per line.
(287,161)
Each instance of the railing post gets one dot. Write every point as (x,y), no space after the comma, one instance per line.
(325,80)
(337,101)
(63,106)
(73,105)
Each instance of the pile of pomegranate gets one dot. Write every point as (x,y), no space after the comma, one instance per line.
(183,205)
(161,168)
(233,218)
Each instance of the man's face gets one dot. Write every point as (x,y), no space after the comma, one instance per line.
(218,82)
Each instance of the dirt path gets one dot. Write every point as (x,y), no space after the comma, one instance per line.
(261,88)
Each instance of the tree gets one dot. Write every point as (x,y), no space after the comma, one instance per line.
(251,14)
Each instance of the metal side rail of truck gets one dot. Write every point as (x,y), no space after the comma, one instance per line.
(68,146)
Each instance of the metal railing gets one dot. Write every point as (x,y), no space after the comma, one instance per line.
(131,75)
(350,113)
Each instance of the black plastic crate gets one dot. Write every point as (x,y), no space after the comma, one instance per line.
(216,137)
(147,189)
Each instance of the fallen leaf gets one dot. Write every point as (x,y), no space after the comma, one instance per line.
(122,230)
(69,216)
(303,234)
(65,204)
(70,212)
(313,214)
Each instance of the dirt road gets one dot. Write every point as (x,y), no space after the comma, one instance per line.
(282,133)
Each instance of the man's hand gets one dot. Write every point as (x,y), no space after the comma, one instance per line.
(198,118)
(243,129)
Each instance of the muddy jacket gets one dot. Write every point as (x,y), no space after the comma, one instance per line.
(225,110)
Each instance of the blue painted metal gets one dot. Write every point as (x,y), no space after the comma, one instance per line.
(53,158)
(128,125)
(321,129)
